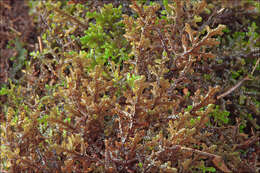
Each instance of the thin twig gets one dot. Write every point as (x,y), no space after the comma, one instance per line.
(164,45)
(233,88)
(200,152)
(179,147)
(256,64)
(74,19)
(14,30)
(40,43)
(239,83)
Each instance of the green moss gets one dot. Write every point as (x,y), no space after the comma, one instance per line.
(220,116)
(104,37)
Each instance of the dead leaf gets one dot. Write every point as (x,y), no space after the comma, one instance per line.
(185,91)
(219,163)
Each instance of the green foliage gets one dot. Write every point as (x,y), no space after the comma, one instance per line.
(220,116)
(243,40)
(4,90)
(204,169)
(103,37)
(19,60)
(131,79)
(236,74)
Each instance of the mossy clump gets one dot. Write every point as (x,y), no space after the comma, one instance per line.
(114,92)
